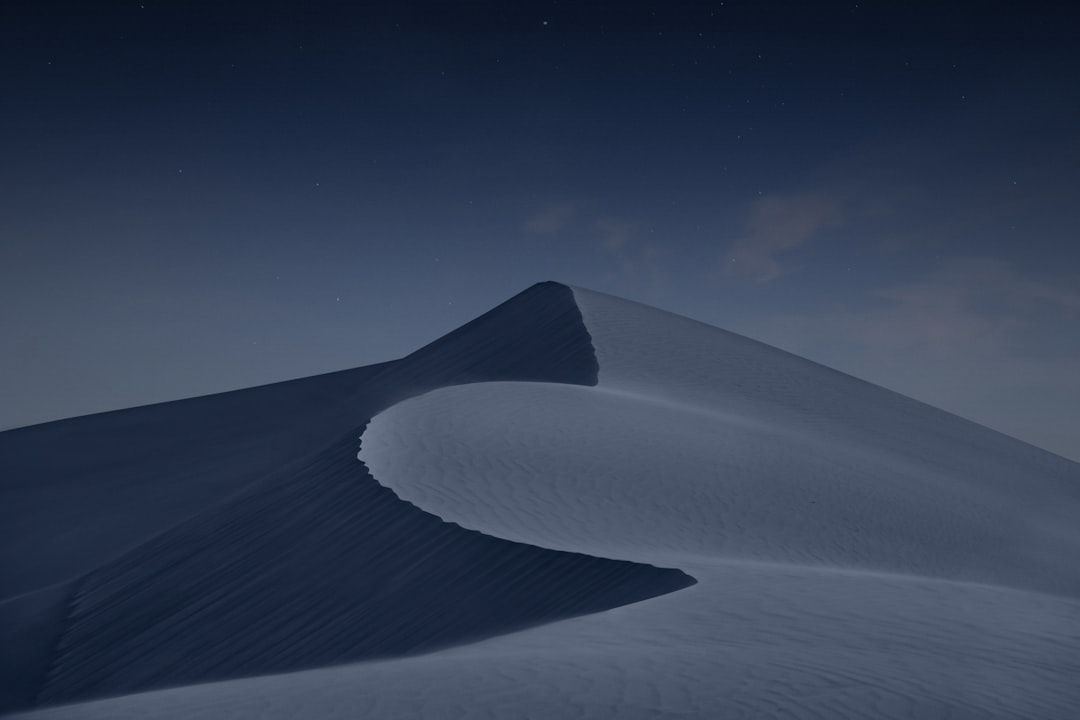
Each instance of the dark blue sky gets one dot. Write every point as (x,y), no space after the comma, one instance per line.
(195,199)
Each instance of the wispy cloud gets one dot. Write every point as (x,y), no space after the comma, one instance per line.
(967,305)
(615,233)
(550,219)
(631,259)
(778,224)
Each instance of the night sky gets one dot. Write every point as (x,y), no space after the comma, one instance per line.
(196,199)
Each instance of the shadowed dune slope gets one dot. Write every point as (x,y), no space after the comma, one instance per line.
(323,567)
(237,534)
(30,625)
(76,492)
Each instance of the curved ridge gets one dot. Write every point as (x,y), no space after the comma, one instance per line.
(622,475)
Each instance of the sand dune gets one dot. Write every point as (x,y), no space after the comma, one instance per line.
(575,506)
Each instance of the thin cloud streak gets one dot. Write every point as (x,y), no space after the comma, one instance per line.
(550,220)
(778,224)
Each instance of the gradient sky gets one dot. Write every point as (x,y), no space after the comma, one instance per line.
(196,199)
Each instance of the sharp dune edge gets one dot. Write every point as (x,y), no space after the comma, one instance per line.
(576,506)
